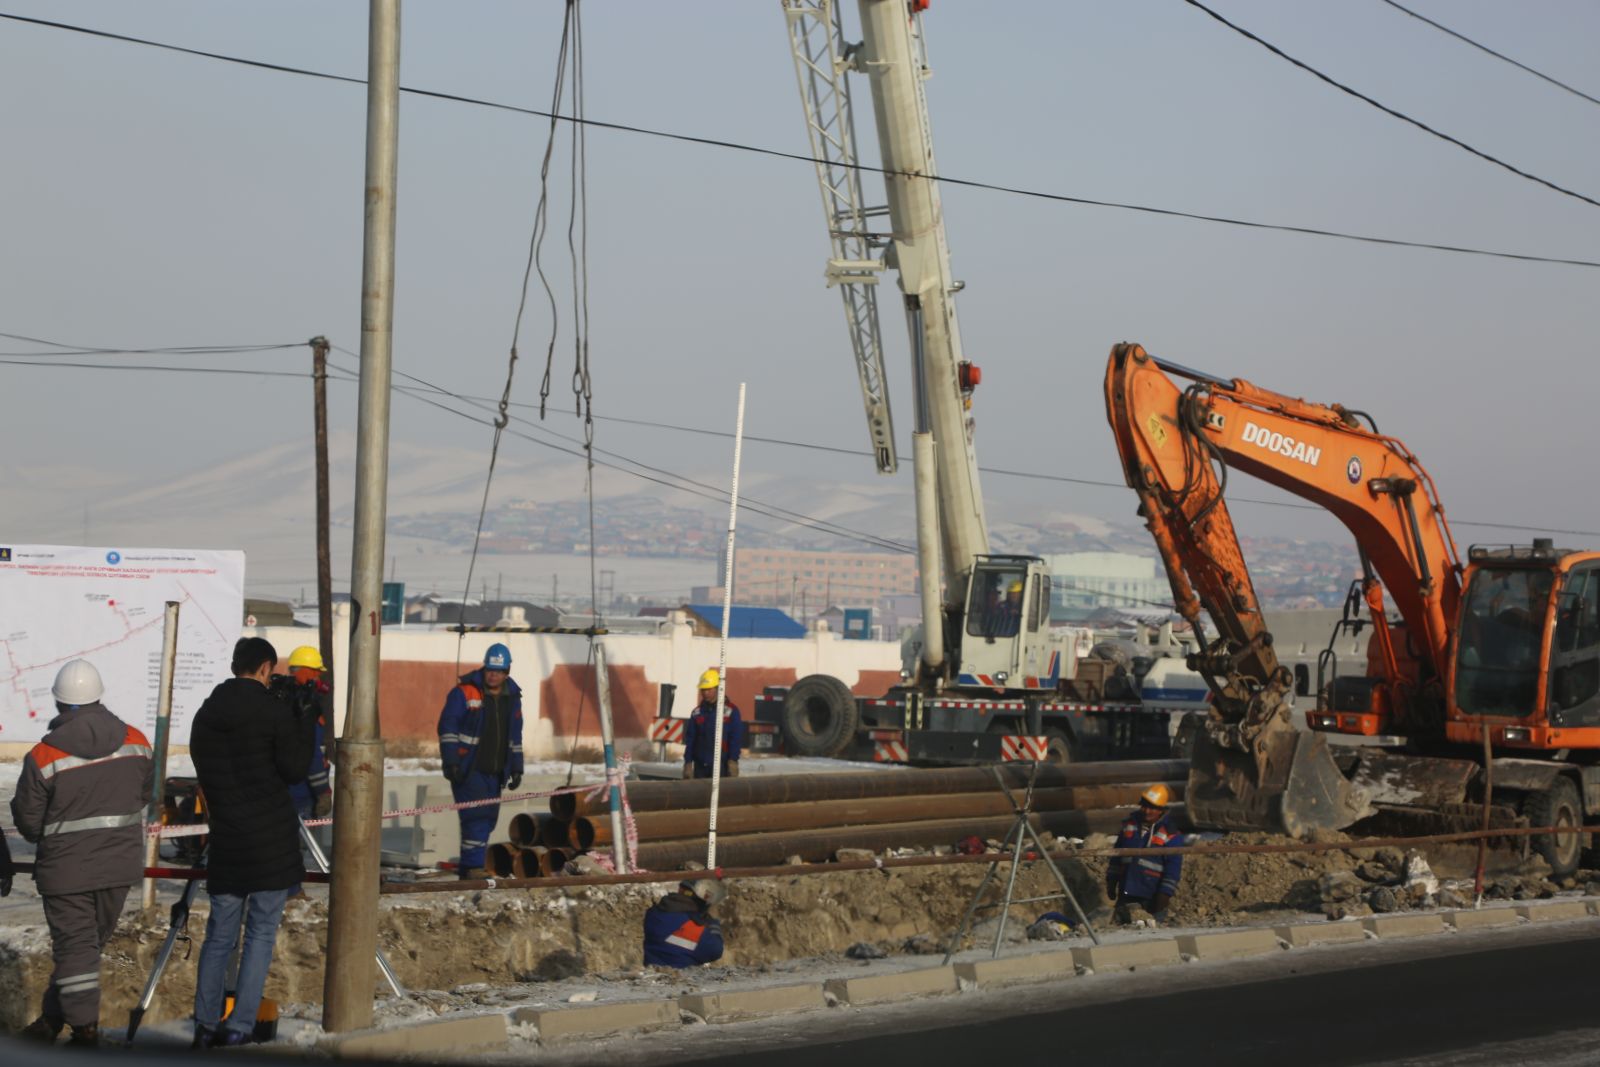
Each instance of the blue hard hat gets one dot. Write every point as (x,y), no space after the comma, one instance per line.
(498,658)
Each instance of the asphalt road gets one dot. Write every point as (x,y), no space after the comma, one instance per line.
(1500,1004)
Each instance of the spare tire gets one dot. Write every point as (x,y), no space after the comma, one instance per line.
(819,716)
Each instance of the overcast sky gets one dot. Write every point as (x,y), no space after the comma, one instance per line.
(154,199)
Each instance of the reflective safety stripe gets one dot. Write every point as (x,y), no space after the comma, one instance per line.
(1151,865)
(94,822)
(466,739)
(78,982)
(449,739)
(68,763)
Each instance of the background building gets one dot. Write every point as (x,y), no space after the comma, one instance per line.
(1084,581)
(804,583)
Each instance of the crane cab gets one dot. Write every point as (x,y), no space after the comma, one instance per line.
(1526,659)
(1006,642)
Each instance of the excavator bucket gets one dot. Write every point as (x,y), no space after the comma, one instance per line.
(1291,785)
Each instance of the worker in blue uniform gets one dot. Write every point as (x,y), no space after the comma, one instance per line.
(1148,882)
(699,733)
(680,931)
(480,747)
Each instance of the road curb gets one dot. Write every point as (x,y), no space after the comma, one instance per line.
(1038,967)
(1127,955)
(876,988)
(754,1003)
(561,1024)
(1230,945)
(1554,910)
(1478,920)
(1302,935)
(1384,926)
(458,1033)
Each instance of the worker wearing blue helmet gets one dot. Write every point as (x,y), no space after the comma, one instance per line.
(480,745)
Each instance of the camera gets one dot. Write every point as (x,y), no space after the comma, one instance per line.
(302,697)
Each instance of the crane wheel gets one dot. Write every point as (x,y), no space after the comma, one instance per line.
(819,716)
(1557,806)
(1059,749)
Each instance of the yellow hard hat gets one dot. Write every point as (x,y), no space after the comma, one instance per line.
(306,656)
(1156,796)
(709,679)
(1015,586)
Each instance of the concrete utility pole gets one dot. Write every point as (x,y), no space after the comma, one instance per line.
(319,378)
(358,801)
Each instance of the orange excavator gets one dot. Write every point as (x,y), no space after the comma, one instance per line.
(1499,653)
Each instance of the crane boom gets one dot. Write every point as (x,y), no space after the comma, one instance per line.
(893,57)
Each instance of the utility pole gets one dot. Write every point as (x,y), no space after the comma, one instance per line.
(319,382)
(358,802)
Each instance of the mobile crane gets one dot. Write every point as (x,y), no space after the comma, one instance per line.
(989,678)
(1501,651)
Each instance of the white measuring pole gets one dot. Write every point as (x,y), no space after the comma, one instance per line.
(163,741)
(602,684)
(722,653)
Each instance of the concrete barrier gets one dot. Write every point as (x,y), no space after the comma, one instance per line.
(1127,955)
(1554,910)
(895,985)
(451,1034)
(749,1003)
(1231,945)
(559,1024)
(1035,967)
(1403,925)
(1300,935)
(1478,920)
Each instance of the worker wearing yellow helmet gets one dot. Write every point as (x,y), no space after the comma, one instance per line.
(309,684)
(1146,884)
(1005,620)
(699,733)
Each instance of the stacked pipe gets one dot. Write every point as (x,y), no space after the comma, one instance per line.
(766,820)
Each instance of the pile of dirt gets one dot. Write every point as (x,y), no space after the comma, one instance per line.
(1223,890)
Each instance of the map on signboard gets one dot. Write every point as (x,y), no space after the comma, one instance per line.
(108,606)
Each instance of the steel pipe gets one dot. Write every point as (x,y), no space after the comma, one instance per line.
(668,825)
(553,833)
(581,833)
(816,846)
(526,828)
(501,860)
(805,788)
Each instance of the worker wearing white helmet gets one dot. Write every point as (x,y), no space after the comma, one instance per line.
(699,733)
(680,931)
(81,800)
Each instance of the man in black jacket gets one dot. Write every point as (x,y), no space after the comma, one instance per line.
(248,748)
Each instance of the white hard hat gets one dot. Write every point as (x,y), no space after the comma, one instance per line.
(78,683)
(711,891)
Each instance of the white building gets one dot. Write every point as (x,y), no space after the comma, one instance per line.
(1083,581)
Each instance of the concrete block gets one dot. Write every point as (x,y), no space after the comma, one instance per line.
(1229,945)
(1403,925)
(897,985)
(1037,967)
(750,1003)
(558,1024)
(1299,935)
(459,1033)
(1554,910)
(1127,955)
(1478,920)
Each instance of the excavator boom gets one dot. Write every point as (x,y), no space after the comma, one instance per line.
(1251,767)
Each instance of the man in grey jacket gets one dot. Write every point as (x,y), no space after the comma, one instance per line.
(81,800)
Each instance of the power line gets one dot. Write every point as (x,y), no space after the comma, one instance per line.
(712,493)
(712,142)
(1498,55)
(1387,110)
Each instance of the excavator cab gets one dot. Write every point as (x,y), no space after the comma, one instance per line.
(1527,655)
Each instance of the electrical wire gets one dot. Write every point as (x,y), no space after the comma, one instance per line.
(1387,110)
(65,365)
(945,179)
(1498,55)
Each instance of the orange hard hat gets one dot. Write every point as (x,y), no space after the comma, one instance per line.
(1157,796)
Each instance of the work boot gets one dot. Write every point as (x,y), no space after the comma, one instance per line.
(43,1029)
(468,874)
(86,1036)
(203,1036)
(228,1037)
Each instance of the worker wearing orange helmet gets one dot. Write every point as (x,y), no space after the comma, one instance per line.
(699,733)
(1148,882)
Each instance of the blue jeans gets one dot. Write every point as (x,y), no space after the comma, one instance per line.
(260,913)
